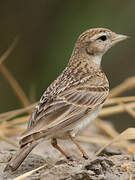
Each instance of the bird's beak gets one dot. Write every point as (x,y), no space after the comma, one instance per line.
(118,37)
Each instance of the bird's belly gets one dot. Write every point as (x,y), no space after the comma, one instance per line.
(85,121)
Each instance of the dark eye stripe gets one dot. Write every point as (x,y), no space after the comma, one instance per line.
(103,38)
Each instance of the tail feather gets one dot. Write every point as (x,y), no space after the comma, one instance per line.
(19,156)
(33,137)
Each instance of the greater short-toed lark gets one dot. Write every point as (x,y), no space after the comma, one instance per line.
(74,99)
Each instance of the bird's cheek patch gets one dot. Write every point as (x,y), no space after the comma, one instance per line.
(93,49)
(90,50)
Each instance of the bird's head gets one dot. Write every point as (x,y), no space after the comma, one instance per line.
(95,42)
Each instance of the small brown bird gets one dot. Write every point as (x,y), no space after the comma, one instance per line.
(74,99)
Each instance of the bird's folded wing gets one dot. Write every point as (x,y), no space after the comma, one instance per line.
(52,116)
(69,107)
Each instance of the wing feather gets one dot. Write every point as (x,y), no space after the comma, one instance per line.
(86,96)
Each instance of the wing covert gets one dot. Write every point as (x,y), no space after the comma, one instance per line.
(86,96)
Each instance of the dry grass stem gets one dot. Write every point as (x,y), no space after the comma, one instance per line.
(10,132)
(3,138)
(9,50)
(25,175)
(18,121)
(111,101)
(12,81)
(130,111)
(128,134)
(15,86)
(107,111)
(124,86)
(102,140)
(106,128)
(16,112)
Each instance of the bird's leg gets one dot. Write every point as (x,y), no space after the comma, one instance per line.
(55,145)
(85,156)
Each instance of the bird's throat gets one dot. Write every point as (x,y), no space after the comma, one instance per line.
(96,59)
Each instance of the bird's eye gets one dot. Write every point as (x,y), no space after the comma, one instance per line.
(103,38)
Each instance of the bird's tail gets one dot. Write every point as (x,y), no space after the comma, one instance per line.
(19,156)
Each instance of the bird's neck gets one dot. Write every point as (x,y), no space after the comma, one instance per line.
(93,61)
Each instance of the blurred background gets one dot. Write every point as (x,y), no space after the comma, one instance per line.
(48,30)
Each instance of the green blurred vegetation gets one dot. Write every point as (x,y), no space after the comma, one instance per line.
(48,30)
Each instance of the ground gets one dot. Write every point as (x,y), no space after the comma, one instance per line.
(112,164)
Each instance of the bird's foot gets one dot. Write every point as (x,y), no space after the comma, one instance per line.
(85,156)
(70,158)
